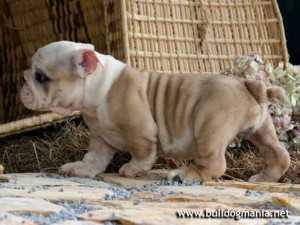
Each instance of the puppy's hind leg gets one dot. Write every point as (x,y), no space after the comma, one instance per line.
(209,162)
(276,158)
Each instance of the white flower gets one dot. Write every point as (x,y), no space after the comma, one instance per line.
(269,69)
(281,65)
(289,69)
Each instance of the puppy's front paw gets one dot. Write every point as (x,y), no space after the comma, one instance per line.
(79,169)
(128,170)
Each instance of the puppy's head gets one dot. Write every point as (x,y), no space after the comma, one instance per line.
(55,80)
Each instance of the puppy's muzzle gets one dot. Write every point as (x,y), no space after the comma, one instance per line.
(26,95)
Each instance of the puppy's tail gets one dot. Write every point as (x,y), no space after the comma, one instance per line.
(261,93)
(277,93)
(257,89)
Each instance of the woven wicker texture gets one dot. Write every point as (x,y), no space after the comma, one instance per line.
(160,35)
(25,26)
(202,35)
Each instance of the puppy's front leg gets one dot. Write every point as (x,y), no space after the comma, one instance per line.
(94,162)
(143,151)
(138,165)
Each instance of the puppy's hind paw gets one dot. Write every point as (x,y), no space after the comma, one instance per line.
(185,173)
(262,177)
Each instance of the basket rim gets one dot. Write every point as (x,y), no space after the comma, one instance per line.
(47,119)
(285,53)
(34,122)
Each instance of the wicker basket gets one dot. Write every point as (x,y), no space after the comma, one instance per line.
(26,25)
(199,35)
(160,35)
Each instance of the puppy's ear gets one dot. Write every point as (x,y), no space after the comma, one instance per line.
(85,62)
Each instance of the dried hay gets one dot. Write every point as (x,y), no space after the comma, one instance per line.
(1,169)
(47,150)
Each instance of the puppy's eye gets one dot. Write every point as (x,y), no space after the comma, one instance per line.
(41,77)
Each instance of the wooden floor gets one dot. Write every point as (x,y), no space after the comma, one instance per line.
(143,200)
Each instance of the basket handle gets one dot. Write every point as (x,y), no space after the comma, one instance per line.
(202,30)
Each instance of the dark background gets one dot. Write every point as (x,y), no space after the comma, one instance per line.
(290,10)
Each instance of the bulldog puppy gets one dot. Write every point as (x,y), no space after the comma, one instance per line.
(184,116)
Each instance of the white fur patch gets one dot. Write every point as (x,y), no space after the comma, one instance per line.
(99,84)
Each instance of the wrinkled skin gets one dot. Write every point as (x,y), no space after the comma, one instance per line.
(57,93)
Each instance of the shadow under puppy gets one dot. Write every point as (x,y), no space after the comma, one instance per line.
(185,116)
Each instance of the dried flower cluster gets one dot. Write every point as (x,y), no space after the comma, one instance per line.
(286,117)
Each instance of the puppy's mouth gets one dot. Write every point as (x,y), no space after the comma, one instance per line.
(27,96)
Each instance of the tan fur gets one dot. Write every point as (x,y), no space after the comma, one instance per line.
(278,94)
(201,114)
